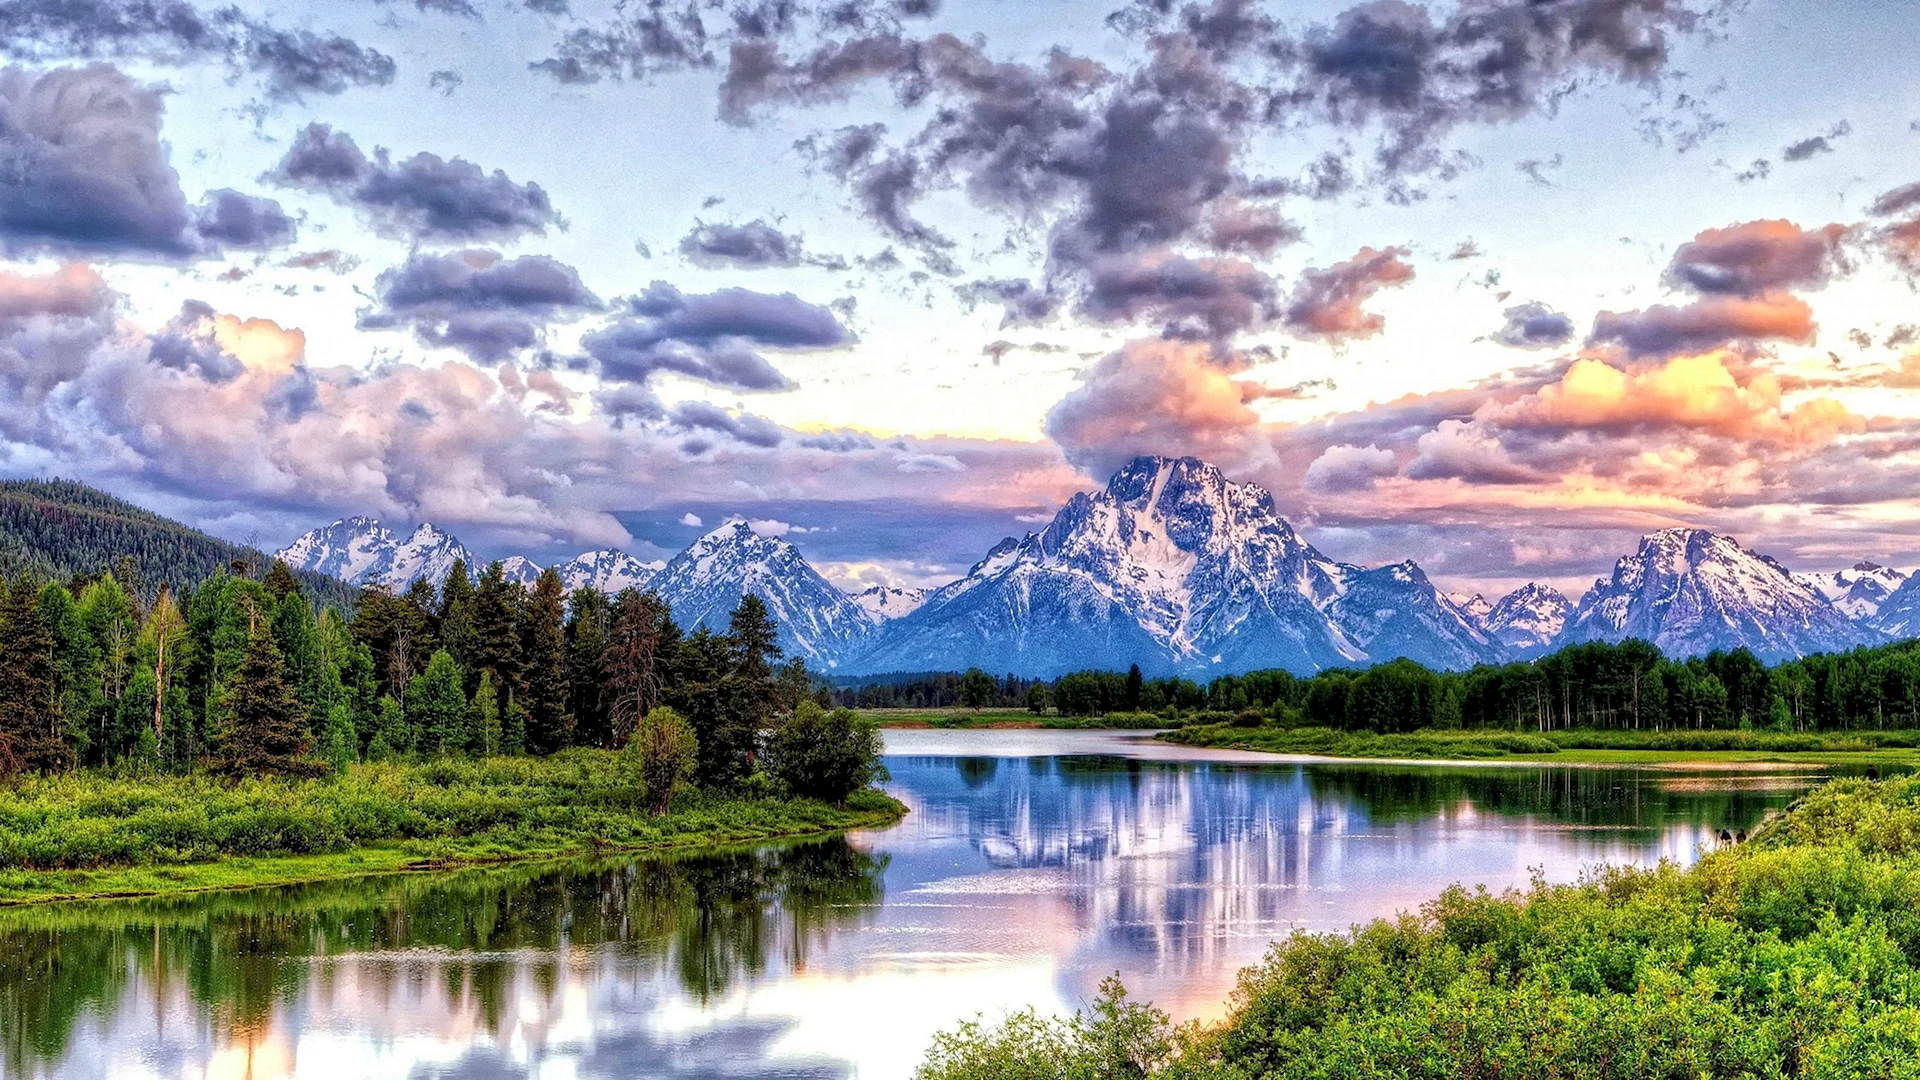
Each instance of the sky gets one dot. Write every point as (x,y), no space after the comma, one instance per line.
(1496,285)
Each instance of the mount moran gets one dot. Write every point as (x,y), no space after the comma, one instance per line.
(1176,568)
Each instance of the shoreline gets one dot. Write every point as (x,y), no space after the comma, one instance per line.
(21,888)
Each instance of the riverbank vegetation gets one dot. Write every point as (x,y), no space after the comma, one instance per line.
(1793,954)
(239,721)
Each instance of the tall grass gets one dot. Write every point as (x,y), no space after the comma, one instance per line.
(475,808)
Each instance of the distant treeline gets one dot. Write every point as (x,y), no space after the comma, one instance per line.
(245,676)
(1628,686)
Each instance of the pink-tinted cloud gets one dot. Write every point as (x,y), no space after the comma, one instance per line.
(1330,303)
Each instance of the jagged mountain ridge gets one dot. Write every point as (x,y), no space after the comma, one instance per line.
(1528,619)
(706,582)
(883,602)
(1858,591)
(1690,591)
(1175,568)
(362,551)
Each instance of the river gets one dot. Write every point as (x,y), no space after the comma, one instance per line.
(1032,865)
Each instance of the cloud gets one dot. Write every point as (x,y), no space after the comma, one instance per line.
(1345,467)
(1758,257)
(1156,397)
(1899,240)
(1534,325)
(712,337)
(424,197)
(1815,145)
(747,428)
(476,301)
(1196,299)
(1329,303)
(291,63)
(332,260)
(1663,330)
(750,247)
(691,519)
(86,172)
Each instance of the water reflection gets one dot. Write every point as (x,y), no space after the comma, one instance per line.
(1017,880)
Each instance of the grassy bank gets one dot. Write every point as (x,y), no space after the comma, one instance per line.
(1567,747)
(88,834)
(1795,954)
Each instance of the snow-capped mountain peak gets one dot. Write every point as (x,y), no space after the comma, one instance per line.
(884,602)
(1528,619)
(1691,591)
(704,584)
(608,570)
(1174,567)
(350,549)
(1858,591)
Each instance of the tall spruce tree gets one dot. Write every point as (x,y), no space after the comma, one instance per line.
(497,606)
(30,730)
(544,653)
(456,617)
(437,712)
(266,729)
(588,619)
(634,668)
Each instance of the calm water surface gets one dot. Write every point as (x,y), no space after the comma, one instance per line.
(1032,865)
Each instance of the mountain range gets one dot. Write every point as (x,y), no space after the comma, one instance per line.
(1177,568)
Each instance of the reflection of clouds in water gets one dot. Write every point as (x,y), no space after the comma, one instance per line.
(1014,883)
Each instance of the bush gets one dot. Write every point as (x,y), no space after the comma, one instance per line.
(825,755)
(666,749)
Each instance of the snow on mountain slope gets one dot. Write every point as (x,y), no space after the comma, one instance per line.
(1857,591)
(1175,568)
(361,551)
(883,602)
(704,583)
(1473,605)
(517,568)
(355,550)
(1527,619)
(608,570)
(1691,592)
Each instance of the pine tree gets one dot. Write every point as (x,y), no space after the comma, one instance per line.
(633,666)
(389,737)
(76,673)
(456,616)
(108,614)
(483,715)
(298,640)
(437,707)
(30,730)
(544,653)
(496,632)
(266,731)
(339,741)
(280,581)
(588,623)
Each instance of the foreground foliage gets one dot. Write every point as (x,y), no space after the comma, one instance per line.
(1795,954)
(57,833)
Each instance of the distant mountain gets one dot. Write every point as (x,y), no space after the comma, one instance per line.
(1857,591)
(1473,605)
(1175,568)
(607,570)
(1527,620)
(60,528)
(514,568)
(1691,592)
(883,602)
(361,551)
(704,583)
(1898,616)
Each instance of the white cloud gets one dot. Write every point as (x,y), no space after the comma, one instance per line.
(691,518)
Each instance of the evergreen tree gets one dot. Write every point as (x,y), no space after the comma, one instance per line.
(338,740)
(544,654)
(483,715)
(298,640)
(389,737)
(265,731)
(280,581)
(496,632)
(107,612)
(76,674)
(513,728)
(456,616)
(588,624)
(1130,699)
(30,729)
(977,689)
(633,664)
(437,707)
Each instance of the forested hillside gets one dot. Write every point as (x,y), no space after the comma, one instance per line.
(60,529)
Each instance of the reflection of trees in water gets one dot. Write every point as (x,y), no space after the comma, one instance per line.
(1177,860)
(710,919)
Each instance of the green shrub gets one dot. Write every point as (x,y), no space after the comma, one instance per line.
(665,751)
(825,755)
